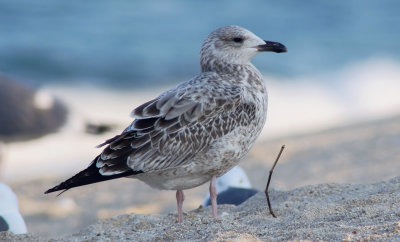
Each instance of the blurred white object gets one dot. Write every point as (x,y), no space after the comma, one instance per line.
(235,178)
(9,213)
(43,100)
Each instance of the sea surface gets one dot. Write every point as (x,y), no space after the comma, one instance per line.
(140,44)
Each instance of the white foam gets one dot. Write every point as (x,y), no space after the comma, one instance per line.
(366,90)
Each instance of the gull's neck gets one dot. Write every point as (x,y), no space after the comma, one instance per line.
(246,74)
(223,67)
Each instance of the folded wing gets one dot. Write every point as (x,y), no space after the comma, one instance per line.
(169,130)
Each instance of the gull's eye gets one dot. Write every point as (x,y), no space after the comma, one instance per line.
(238,40)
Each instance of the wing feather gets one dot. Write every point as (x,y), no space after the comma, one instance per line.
(169,130)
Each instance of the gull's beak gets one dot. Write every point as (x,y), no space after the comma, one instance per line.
(272,46)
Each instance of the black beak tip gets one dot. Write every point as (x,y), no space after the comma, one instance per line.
(273,47)
(281,50)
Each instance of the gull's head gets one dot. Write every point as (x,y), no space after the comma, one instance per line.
(235,45)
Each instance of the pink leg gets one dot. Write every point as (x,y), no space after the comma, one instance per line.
(179,201)
(213,196)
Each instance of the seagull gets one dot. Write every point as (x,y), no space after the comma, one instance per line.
(196,131)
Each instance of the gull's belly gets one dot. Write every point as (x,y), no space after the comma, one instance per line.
(220,157)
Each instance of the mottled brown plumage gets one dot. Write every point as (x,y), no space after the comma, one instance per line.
(198,130)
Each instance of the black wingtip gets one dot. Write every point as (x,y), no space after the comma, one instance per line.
(88,176)
(49,191)
(54,189)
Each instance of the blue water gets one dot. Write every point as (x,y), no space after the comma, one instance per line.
(124,43)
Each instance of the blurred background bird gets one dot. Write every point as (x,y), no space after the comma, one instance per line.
(233,188)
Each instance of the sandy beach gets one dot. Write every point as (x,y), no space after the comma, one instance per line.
(325,212)
(362,153)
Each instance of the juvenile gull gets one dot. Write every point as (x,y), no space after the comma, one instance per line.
(197,131)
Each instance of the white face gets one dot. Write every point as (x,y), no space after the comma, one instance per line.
(231,44)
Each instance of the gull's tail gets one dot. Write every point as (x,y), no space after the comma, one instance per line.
(88,176)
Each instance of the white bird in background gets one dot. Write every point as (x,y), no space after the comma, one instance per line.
(10,218)
(233,188)
(197,131)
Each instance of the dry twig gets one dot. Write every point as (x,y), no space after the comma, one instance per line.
(269,180)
